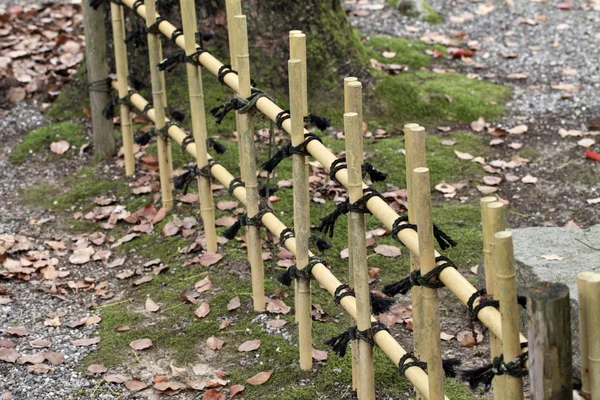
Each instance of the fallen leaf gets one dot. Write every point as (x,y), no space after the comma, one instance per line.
(478,125)
(233,303)
(276,323)
(388,250)
(463,156)
(496,142)
(487,189)
(81,256)
(40,343)
(86,342)
(388,54)
(319,355)
(209,259)
(227,205)
(277,306)
(54,357)
(171,229)
(446,336)
(466,338)
(260,378)
(203,310)
(587,142)
(235,389)
(492,180)
(214,394)
(552,257)
(59,147)
(529,179)
(97,369)
(249,345)
(594,201)
(518,130)
(116,378)
(344,254)
(203,285)
(53,322)
(39,369)
(515,145)
(142,280)
(169,385)
(17,331)
(9,355)
(37,358)
(135,385)
(151,306)
(122,328)
(214,343)
(141,344)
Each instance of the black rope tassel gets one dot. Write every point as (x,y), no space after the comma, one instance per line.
(136,83)
(328,222)
(144,138)
(233,230)
(375,175)
(216,146)
(171,62)
(288,150)
(380,305)
(108,111)
(339,343)
(177,115)
(320,122)
(485,375)
(442,238)
(322,244)
(449,365)
(183,181)
(430,280)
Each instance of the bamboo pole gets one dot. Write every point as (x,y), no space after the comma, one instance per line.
(163,144)
(592,305)
(357,246)
(352,104)
(392,349)
(582,279)
(116,12)
(198,114)
(431,342)
(103,129)
(246,135)
(493,220)
(549,332)
(301,216)
(415,149)
(451,278)
(504,260)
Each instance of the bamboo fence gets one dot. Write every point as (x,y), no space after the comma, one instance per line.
(505,337)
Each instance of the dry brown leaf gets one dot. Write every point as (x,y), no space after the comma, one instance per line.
(59,147)
(260,378)
(319,355)
(97,369)
(53,321)
(552,257)
(593,201)
(227,205)
(122,328)
(40,343)
(141,344)
(344,254)
(171,229)
(478,125)
(277,306)
(17,331)
(203,310)
(169,385)
(214,394)
(388,250)
(529,179)
(116,378)
(54,357)
(214,343)
(276,323)
(515,145)
(86,342)
(39,368)
(9,355)
(487,189)
(233,303)
(203,285)
(36,358)
(446,336)
(466,338)
(81,256)
(209,259)
(142,280)
(463,156)
(492,180)
(135,385)
(151,306)
(249,345)
(518,130)
(586,142)
(55,245)
(235,389)
(94,319)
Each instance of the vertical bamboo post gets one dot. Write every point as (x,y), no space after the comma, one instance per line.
(233,8)
(415,149)
(357,246)
(301,216)
(493,220)
(103,129)
(116,13)
(194,76)
(504,260)
(582,280)
(549,336)
(431,342)
(162,141)
(352,104)
(249,169)
(592,305)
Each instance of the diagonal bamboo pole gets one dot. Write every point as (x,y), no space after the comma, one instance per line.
(451,278)
(301,215)
(162,142)
(352,104)
(504,261)
(246,135)
(194,76)
(357,245)
(118,28)
(392,349)
(431,342)
(414,143)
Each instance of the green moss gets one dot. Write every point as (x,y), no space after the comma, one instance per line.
(431,98)
(72,98)
(431,16)
(408,52)
(528,152)
(39,140)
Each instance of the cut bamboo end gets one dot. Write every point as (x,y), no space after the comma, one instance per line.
(232,7)
(582,280)
(507,294)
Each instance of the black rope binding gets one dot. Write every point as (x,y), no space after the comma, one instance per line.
(102,85)
(147,108)
(282,116)
(360,206)
(183,181)
(485,375)
(340,342)
(171,62)
(286,234)
(238,104)
(440,236)
(484,301)
(288,150)
(430,280)
(136,4)
(342,291)
(403,365)
(234,184)
(244,220)
(223,71)
(265,191)
(337,165)
(320,122)
(187,140)
(176,33)
(294,272)
(153,29)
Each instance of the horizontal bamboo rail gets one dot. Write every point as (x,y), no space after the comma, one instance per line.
(451,278)
(322,274)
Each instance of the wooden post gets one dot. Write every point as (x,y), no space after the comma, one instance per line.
(504,260)
(431,342)
(415,150)
(493,220)
(246,134)
(163,143)
(549,334)
(194,76)
(103,129)
(592,311)
(582,280)
(118,28)
(301,216)
(357,246)
(352,104)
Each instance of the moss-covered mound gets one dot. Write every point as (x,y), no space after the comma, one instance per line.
(39,141)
